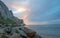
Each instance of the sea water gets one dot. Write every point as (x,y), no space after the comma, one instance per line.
(47,31)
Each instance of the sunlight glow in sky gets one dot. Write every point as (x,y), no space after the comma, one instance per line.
(20,9)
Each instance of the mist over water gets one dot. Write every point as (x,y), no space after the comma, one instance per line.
(47,31)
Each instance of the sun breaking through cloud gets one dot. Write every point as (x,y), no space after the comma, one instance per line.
(21,9)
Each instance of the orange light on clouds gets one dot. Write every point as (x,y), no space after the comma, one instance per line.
(24,11)
(20,8)
(25,18)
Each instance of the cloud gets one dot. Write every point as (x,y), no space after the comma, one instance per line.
(21,8)
(42,11)
(24,14)
(57,21)
(45,10)
(38,23)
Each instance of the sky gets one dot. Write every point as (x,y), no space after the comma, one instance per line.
(36,12)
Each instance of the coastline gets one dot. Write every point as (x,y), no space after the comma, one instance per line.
(47,31)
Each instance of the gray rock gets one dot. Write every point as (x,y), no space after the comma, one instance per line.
(37,36)
(4,36)
(15,35)
(29,32)
(21,32)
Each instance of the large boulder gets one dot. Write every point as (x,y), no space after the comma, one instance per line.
(29,32)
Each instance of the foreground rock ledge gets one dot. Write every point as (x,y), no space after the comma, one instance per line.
(17,32)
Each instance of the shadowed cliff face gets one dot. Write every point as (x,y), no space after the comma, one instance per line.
(4,11)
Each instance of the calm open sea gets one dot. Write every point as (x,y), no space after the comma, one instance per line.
(47,31)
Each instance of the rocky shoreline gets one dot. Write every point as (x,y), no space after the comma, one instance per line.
(16,32)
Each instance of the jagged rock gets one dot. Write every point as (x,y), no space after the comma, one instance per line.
(29,32)
(21,32)
(8,30)
(18,33)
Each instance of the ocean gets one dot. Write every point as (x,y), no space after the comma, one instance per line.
(47,31)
